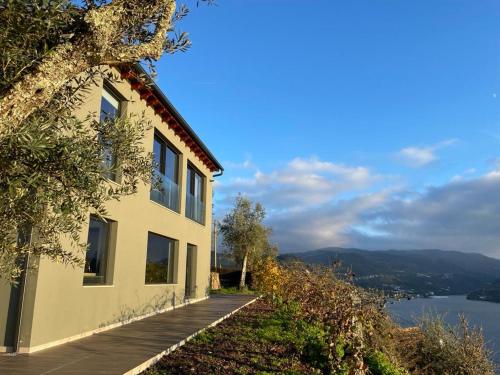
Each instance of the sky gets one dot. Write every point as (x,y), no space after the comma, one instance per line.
(371,124)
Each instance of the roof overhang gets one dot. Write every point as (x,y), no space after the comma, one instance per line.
(141,82)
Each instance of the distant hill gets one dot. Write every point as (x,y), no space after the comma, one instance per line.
(489,293)
(416,271)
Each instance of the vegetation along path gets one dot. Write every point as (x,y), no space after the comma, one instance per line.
(257,340)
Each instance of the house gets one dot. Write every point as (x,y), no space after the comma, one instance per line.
(150,255)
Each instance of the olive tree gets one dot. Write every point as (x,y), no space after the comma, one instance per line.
(245,236)
(84,35)
(51,163)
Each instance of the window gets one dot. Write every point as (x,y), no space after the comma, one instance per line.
(110,111)
(165,188)
(96,257)
(195,189)
(160,261)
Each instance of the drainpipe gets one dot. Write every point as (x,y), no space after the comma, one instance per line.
(215,245)
(221,172)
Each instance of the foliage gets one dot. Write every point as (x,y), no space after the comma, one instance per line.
(360,337)
(64,39)
(438,348)
(51,169)
(28,31)
(245,236)
(258,339)
(379,364)
(242,228)
(52,174)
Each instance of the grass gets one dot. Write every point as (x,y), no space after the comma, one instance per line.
(233,290)
(261,340)
(256,340)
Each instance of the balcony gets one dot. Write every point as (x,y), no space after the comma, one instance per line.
(195,208)
(165,192)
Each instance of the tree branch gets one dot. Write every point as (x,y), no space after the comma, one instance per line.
(101,44)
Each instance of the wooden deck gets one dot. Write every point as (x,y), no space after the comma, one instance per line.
(128,349)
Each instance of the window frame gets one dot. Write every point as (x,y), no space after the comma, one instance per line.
(165,147)
(172,265)
(168,145)
(90,279)
(107,87)
(191,185)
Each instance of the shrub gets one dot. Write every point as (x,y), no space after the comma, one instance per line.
(342,329)
(379,364)
(439,348)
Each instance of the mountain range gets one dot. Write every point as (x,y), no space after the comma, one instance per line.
(489,293)
(421,272)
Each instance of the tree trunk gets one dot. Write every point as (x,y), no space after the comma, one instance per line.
(36,89)
(244,271)
(100,45)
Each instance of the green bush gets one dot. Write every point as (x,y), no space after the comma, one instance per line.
(286,327)
(315,346)
(379,364)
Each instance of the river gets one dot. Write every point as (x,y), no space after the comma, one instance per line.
(479,313)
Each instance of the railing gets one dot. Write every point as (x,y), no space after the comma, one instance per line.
(165,192)
(195,208)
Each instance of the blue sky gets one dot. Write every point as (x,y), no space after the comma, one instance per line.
(357,115)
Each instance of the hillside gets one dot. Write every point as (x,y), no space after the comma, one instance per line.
(489,293)
(416,271)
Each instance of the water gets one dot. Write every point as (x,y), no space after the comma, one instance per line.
(479,314)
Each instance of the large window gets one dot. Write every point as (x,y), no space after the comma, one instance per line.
(96,257)
(110,111)
(165,188)
(195,189)
(161,258)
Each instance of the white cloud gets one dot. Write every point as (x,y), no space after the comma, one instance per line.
(245,164)
(422,156)
(417,157)
(299,184)
(462,215)
(324,226)
(313,203)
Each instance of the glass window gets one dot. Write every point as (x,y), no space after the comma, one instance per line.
(110,111)
(195,190)
(96,256)
(165,188)
(159,154)
(172,164)
(160,261)
(110,106)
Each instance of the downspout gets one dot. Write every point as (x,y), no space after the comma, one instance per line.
(221,172)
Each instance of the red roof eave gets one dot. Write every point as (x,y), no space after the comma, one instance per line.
(154,101)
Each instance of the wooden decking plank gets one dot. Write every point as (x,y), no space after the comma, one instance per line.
(126,349)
